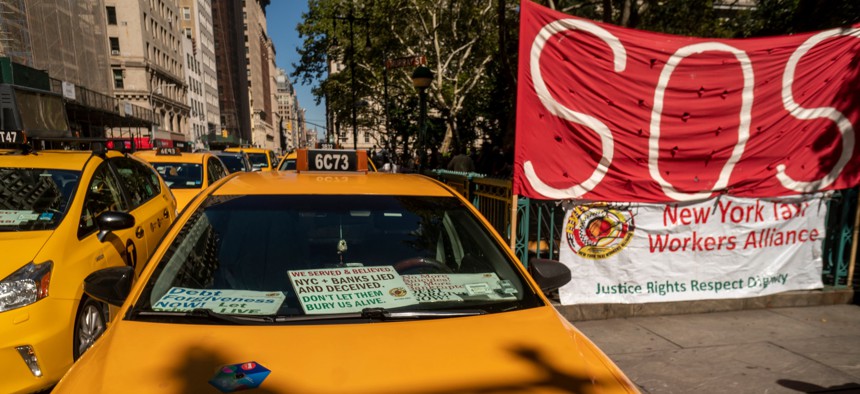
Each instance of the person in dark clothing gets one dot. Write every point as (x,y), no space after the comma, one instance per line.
(461,162)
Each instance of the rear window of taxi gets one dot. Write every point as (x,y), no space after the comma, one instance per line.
(292,255)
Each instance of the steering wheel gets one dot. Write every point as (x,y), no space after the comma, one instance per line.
(421,265)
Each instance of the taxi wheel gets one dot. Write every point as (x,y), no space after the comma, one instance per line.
(89,325)
(421,265)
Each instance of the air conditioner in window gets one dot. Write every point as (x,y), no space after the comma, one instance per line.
(114,52)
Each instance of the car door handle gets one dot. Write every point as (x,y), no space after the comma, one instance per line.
(139,232)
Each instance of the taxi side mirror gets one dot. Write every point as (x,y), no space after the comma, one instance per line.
(113,221)
(111,285)
(549,274)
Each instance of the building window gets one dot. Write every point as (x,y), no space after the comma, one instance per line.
(186,13)
(188,32)
(114,46)
(117,79)
(111,15)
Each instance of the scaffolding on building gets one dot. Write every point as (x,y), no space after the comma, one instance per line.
(14,33)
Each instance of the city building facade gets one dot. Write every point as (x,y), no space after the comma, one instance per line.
(196,24)
(196,98)
(245,57)
(260,65)
(147,65)
(68,41)
(288,108)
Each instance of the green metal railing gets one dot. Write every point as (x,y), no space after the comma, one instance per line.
(489,195)
(838,243)
(539,223)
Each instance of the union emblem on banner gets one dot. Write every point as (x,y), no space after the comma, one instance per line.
(598,231)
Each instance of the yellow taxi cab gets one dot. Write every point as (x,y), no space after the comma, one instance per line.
(337,279)
(288,163)
(185,173)
(261,159)
(63,215)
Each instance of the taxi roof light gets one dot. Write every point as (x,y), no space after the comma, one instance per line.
(336,160)
(28,144)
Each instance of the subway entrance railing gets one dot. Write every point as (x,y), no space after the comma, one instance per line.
(533,228)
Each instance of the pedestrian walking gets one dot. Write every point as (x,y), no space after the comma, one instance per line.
(461,162)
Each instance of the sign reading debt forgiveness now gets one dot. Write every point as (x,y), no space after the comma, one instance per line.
(341,290)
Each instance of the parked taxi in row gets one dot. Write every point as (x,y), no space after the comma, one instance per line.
(234,161)
(261,159)
(337,279)
(185,173)
(63,215)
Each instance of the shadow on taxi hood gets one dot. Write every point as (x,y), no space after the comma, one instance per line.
(20,248)
(518,351)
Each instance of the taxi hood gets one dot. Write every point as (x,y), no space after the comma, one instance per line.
(521,351)
(20,248)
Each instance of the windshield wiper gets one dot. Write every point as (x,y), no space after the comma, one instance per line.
(385,314)
(381,314)
(210,315)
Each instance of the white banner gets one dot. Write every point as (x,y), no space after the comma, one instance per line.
(721,248)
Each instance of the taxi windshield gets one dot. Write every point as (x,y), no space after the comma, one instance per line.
(35,199)
(313,255)
(234,163)
(288,165)
(181,175)
(258,160)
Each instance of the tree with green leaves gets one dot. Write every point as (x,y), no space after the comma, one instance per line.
(456,37)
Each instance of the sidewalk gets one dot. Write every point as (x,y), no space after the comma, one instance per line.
(776,350)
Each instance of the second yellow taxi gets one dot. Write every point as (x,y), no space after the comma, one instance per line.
(185,173)
(261,159)
(63,215)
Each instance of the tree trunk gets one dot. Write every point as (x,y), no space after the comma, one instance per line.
(607,11)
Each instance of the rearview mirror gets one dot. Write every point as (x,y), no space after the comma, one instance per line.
(549,274)
(113,221)
(111,285)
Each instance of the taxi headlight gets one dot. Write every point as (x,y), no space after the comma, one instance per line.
(25,286)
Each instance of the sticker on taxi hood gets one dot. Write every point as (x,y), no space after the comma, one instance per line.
(238,377)
(231,302)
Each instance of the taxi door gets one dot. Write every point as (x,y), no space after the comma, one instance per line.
(152,212)
(103,193)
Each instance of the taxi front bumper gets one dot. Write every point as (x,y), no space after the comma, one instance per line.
(46,326)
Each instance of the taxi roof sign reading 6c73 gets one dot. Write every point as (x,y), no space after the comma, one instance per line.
(331,160)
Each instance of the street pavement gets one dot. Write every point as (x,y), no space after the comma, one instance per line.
(812,349)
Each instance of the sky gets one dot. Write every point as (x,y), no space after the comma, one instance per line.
(282,17)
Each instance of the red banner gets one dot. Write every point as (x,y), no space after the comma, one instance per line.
(606,113)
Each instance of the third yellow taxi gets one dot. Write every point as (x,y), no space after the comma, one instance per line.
(337,279)
(185,173)
(261,159)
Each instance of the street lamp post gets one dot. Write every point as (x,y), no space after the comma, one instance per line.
(422,77)
(352,18)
